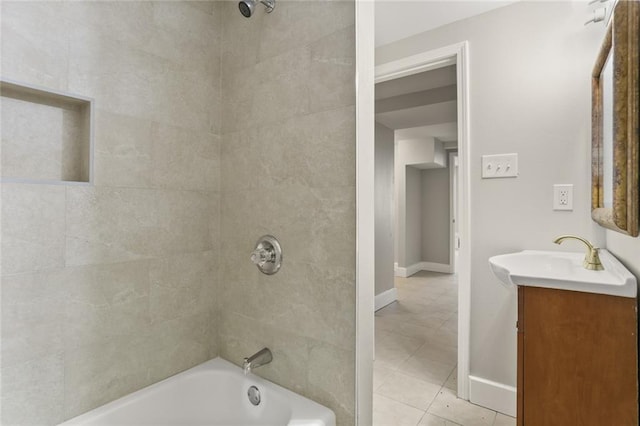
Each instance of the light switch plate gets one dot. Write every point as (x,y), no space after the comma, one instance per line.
(499,166)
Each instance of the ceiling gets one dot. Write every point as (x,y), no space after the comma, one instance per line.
(445,132)
(398,19)
(425,115)
(420,105)
(433,79)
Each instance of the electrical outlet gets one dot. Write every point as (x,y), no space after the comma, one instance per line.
(563,197)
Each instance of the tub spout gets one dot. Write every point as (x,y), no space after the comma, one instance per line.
(256,360)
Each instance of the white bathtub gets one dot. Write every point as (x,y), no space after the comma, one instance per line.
(212,394)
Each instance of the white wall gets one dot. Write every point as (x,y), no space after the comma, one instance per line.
(410,156)
(530,66)
(626,249)
(384,207)
(413,206)
(436,216)
(422,153)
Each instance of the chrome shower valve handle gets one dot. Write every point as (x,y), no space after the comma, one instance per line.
(261,256)
(267,255)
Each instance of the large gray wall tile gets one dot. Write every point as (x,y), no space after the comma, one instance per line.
(33,392)
(333,65)
(288,169)
(95,374)
(106,301)
(35,43)
(204,141)
(108,288)
(123,151)
(331,378)
(182,285)
(185,159)
(180,343)
(33,227)
(33,312)
(108,225)
(314,150)
(272,90)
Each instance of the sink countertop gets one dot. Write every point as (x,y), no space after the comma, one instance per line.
(564,271)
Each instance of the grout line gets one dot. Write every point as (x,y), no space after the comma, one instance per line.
(440,390)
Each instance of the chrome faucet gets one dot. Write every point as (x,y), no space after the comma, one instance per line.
(591,259)
(256,360)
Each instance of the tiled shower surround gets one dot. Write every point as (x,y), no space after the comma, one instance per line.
(210,130)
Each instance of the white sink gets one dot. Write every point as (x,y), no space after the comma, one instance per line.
(564,271)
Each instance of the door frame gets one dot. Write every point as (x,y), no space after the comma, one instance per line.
(365,204)
(367,75)
(453,206)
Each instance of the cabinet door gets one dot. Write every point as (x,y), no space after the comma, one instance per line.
(579,359)
(520,327)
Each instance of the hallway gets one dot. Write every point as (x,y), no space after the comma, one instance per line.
(415,371)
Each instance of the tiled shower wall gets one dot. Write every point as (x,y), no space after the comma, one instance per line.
(288,169)
(111,287)
(108,288)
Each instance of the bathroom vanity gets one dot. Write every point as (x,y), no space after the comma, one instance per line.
(577,358)
(577,339)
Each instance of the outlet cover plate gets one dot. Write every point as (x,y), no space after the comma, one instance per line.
(563,196)
(499,166)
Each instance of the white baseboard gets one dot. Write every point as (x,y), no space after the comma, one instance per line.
(436,267)
(493,395)
(385,298)
(422,266)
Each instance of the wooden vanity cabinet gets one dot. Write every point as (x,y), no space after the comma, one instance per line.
(577,359)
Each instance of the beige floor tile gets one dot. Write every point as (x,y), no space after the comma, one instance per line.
(393,349)
(405,376)
(387,323)
(380,373)
(438,353)
(502,420)
(395,309)
(431,420)
(451,324)
(409,390)
(452,381)
(448,406)
(444,337)
(403,328)
(418,293)
(425,369)
(433,320)
(387,412)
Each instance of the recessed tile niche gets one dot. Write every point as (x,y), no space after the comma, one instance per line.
(46,135)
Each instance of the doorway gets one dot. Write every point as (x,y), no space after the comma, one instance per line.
(451,55)
(415,331)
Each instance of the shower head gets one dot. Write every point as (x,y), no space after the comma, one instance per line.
(247,6)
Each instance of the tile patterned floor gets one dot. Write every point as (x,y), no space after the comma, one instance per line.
(414,378)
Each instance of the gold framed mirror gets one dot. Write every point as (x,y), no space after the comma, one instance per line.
(615,136)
